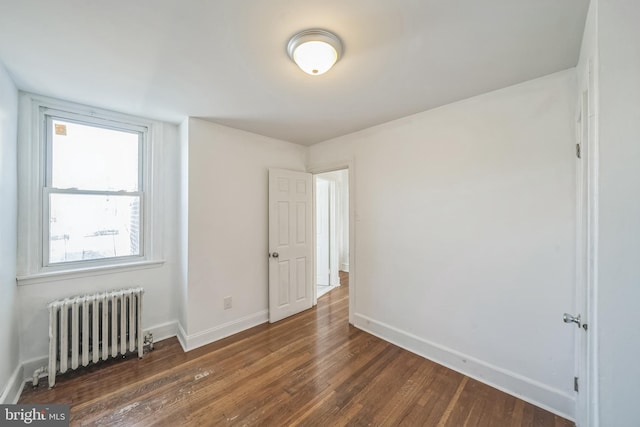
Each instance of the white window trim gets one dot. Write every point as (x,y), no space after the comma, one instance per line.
(32,164)
(47,115)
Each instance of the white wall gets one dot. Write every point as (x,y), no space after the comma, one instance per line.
(228,227)
(619,212)
(465,235)
(8,238)
(160,306)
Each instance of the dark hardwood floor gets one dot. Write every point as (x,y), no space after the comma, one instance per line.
(313,369)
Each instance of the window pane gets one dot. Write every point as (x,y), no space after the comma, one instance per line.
(84,227)
(93,158)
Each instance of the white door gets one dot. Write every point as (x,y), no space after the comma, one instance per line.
(290,243)
(584,223)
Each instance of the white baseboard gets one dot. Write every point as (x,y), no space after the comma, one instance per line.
(344,267)
(524,388)
(190,342)
(163,331)
(12,392)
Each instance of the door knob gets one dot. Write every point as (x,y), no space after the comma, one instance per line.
(567,318)
(275,254)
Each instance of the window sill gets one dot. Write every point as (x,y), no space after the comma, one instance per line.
(59,275)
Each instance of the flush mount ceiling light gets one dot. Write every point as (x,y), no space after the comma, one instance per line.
(315,51)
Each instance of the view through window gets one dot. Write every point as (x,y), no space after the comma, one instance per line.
(93,191)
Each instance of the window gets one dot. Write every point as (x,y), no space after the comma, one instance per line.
(86,191)
(94,190)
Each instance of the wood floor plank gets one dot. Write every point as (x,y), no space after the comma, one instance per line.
(312,369)
(391,381)
(452,403)
(399,406)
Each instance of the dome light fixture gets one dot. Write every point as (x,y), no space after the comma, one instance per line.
(315,51)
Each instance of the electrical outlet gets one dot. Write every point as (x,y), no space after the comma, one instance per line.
(227,303)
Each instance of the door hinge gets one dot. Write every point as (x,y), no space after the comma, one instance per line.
(575,384)
(578,151)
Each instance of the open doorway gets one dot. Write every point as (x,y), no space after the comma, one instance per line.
(332,230)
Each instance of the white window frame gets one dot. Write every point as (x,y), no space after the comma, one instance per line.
(33,193)
(48,115)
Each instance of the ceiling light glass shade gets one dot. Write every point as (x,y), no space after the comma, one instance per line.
(315,51)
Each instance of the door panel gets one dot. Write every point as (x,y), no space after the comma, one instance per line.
(301,235)
(283,283)
(290,243)
(301,274)
(283,221)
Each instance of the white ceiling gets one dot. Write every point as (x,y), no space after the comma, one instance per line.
(226,60)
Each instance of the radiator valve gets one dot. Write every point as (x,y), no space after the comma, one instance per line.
(36,375)
(148,340)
